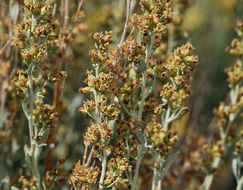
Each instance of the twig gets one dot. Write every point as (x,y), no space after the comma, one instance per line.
(133,28)
(80,5)
(85,154)
(117,58)
(140,149)
(66,15)
(3,95)
(4,47)
(90,156)
(126,23)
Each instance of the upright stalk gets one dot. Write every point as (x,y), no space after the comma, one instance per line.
(157,181)
(33,48)
(224,134)
(104,163)
(156,185)
(216,163)
(240,184)
(33,145)
(140,149)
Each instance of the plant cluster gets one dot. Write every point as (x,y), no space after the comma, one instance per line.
(35,36)
(122,103)
(135,99)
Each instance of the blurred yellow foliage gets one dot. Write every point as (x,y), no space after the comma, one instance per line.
(194,17)
(180,124)
(225,5)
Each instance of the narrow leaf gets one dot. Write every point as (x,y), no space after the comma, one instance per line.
(168,162)
(140,137)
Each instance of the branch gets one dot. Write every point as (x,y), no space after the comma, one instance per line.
(117,58)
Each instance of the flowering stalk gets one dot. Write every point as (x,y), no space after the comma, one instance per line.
(32,38)
(227,114)
(121,130)
(145,94)
(174,95)
(101,112)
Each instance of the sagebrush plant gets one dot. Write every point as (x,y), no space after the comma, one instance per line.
(128,121)
(227,114)
(135,98)
(35,37)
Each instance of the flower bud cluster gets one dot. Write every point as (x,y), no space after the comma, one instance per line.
(222,112)
(132,51)
(180,63)
(235,73)
(161,139)
(100,54)
(236,47)
(44,115)
(104,108)
(177,69)
(116,168)
(120,145)
(19,82)
(82,175)
(99,136)
(215,150)
(239,144)
(128,90)
(49,76)
(104,83)
(156,15)
(33,54)
(110,111)
(55,176)
(32,35)
(28,183)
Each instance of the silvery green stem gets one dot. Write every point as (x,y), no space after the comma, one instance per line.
(104,163)
(170,40)
(210,177)
(140,147)
(140,150)
(240,184)
(144,79)
(156,185)
(141,105)
(157,181)
(34,147)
